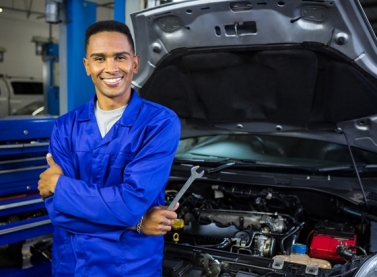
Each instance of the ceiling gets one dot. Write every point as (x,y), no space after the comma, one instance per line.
(37,8)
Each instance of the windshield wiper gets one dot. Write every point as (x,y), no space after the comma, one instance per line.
(241,163)
(221,167)
(223,163)
(229,163)
(232,164)
(345,167)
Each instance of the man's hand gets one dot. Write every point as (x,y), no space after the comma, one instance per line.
(158,220)
(49,178)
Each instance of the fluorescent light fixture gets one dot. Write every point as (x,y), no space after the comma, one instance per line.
(52,8)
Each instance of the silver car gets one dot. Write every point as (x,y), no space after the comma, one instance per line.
(278,106)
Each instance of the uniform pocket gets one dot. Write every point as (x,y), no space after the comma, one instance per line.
(98,257)
(121,160)
(142,254)
(116,168)
(63,258)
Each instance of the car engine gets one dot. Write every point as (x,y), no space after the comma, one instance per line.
(238,230)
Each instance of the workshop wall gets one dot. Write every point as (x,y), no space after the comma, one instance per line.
(17,30)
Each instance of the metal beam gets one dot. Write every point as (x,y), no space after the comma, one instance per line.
(120,10)
(22,10)
(76,87)
(29,9)
(109,5)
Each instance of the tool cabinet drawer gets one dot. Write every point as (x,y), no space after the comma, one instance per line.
(23,147)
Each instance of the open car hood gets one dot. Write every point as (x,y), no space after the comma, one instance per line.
(308,67)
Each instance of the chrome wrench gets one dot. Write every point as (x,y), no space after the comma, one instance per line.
(188,183)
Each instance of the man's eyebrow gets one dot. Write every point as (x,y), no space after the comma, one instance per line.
(122,53)
(115,54)
(97,55)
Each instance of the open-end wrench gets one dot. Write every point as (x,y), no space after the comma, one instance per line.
(189,181)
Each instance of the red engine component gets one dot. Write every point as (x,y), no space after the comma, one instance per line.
(328,237)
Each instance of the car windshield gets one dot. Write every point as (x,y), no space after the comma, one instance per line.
(34,108)
(27,88)
(273,150)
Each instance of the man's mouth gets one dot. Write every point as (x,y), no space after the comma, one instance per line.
(112,81)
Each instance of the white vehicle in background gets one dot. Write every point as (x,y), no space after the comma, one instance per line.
(18,92)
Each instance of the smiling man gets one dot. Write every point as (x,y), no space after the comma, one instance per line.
(109,162)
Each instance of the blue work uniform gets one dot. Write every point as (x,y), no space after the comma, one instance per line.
(108,185)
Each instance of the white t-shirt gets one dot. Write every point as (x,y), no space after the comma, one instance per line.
(106,119)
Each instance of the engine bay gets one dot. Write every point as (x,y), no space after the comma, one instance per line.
(227,229)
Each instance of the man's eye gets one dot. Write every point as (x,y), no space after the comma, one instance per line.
(98,59)
(120,58)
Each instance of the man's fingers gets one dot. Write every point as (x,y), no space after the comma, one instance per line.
(168,222)
(175,207)
(50,159)
(169,215)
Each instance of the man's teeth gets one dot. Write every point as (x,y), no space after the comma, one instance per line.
(112,80)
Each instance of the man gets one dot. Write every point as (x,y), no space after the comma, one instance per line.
(109,162)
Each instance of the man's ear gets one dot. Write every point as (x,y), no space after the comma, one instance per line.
(86,65)
(136,63)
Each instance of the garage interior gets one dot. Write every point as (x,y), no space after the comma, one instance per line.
(24,248)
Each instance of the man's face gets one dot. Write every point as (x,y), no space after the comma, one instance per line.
(111,63)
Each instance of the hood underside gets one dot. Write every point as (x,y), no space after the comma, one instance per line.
(295,86)
(307,85)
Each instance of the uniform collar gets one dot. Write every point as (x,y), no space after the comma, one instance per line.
(130,114)
(128,117)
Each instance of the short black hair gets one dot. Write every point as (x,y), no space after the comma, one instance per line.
(108,26)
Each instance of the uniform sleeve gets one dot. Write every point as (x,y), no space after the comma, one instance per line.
(68,222)
(144,178)
(81,226)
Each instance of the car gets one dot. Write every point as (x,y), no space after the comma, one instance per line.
(33,108)
(278,108)
(16,92)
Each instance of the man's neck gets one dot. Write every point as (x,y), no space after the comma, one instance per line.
(107,103)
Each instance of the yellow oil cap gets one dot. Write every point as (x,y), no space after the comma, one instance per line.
(178,224)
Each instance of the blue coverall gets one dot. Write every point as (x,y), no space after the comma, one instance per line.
(108,185)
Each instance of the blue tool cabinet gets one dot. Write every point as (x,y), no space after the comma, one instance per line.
(23,148)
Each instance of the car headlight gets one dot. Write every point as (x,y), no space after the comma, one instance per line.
(368,268)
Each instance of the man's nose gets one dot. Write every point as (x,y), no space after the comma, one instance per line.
(111,65)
